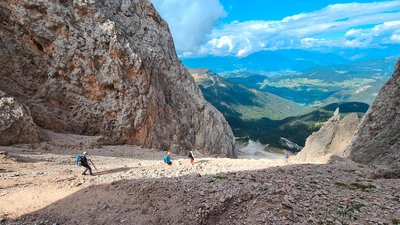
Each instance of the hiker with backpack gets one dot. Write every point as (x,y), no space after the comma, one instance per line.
(287,156)
(167,158)
(85,163)
(191,156)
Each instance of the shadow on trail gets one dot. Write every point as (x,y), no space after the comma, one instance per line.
(184,199)
(145,200)
(116,170)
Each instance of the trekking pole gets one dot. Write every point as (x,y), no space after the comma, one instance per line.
(94,165)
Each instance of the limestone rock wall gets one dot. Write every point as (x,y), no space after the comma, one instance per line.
(331,139)
(16,123)
(377,140)
(106,68)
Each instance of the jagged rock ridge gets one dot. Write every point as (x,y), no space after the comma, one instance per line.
(377,140)
(106,68)
(331,140)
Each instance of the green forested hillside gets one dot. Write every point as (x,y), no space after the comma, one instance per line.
(296,128)
(265,117)
(234,99)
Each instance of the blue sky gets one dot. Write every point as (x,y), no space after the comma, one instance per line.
(240,28)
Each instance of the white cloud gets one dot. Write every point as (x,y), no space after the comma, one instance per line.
(353,44)
(190,21)
(335,26)
(384,33)
(395,38)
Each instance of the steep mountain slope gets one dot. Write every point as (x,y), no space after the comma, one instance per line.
(238,100)
(377,140)
(105,68)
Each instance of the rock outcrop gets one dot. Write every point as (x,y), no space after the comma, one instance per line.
(16,123)
(106,68)
(331,139)
(377,140)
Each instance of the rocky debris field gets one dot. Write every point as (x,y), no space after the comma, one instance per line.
(40,184)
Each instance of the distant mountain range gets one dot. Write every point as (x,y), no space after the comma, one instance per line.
(282,62)
(320,85)
(265,62)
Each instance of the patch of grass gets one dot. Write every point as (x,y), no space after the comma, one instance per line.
(331,222)
(350,210)
(221,177)
(350,171)
(357,186)
(396,222)
(363,187)
(341,184)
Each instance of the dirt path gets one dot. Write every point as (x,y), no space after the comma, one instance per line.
(35,176)
(40,184)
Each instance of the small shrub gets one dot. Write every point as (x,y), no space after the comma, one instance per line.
(221,177)
(357,185)
(341,184)
(349,210)
(363,187)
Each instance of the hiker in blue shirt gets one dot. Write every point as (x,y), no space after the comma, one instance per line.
(287,156)
(167,158)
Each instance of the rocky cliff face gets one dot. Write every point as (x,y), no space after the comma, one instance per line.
(377,140)
(331,139)
(105,68)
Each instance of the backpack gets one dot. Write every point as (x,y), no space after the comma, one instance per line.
(189,155)
(79,160)
(165,158)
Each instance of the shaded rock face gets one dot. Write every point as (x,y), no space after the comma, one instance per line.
(106,68)
(331,139)
(377,140)
(16,124)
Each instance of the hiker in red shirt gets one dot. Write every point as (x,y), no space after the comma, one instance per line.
(191,156)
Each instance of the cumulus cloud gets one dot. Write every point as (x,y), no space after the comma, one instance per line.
(395,38)
(351,25)
(190,21)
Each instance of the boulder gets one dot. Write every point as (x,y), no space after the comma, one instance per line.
(16,123)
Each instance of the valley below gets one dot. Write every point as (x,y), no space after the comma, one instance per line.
(272,113)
